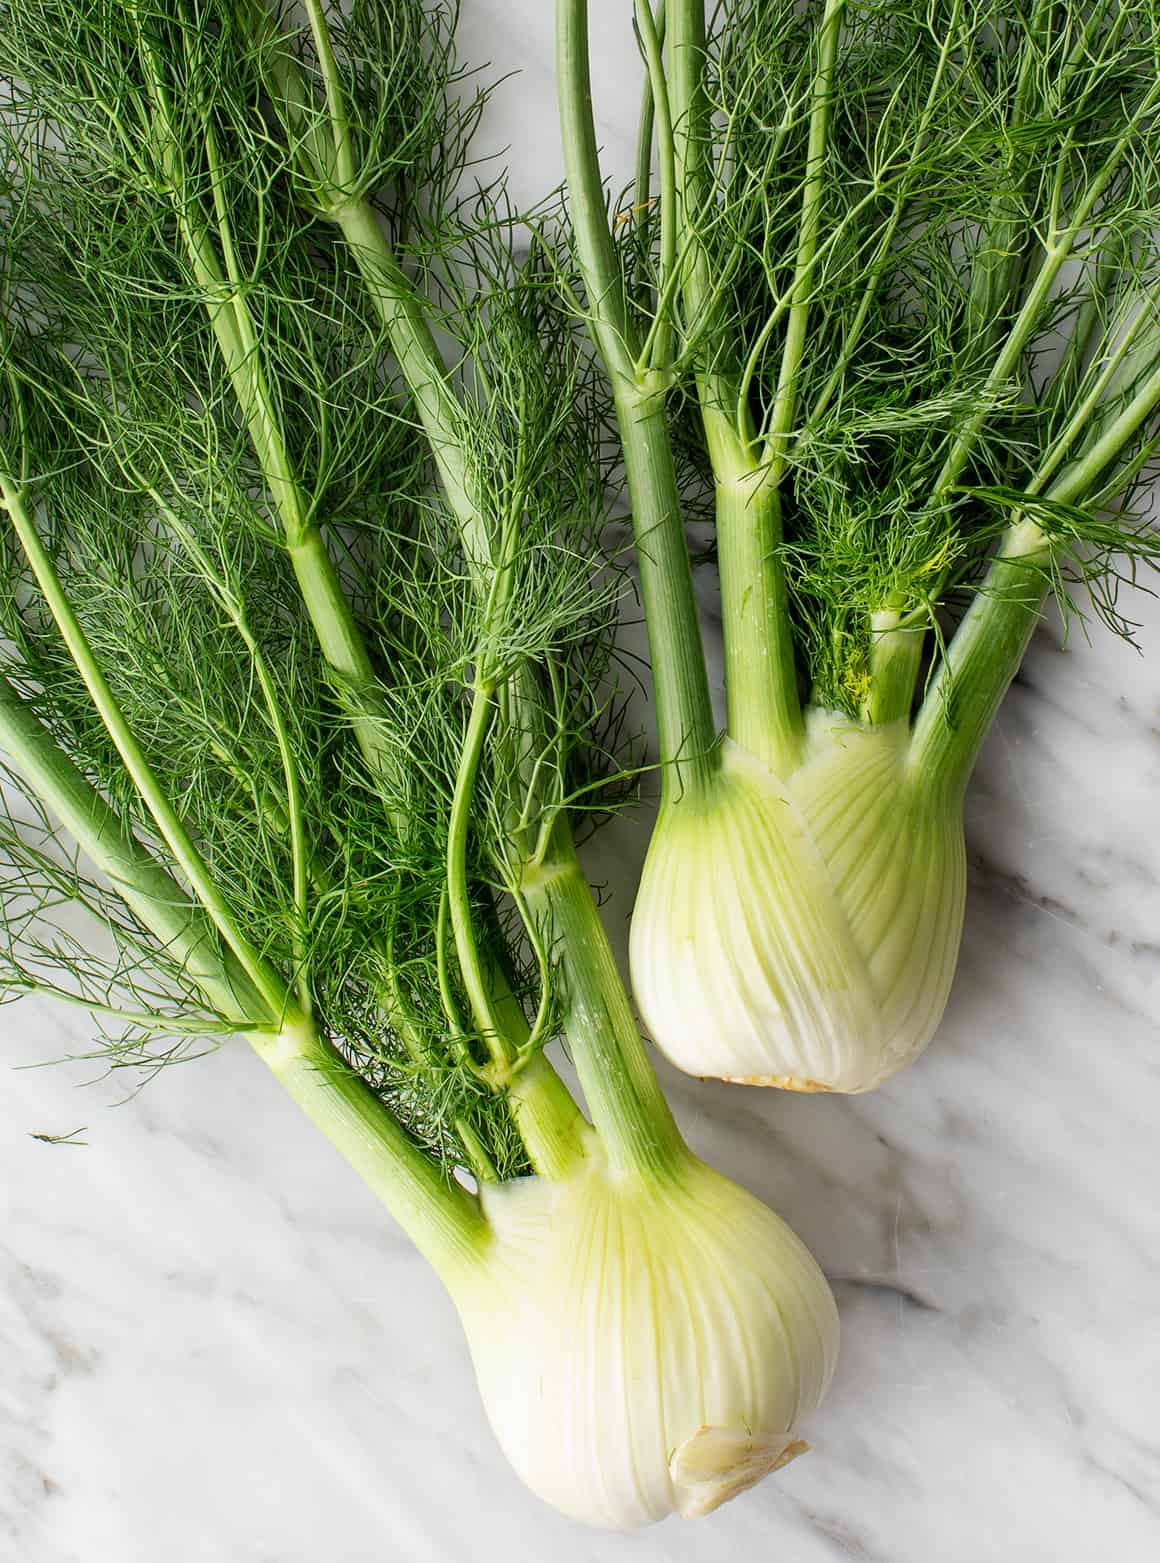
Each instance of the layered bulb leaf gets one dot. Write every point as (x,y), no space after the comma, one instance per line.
(644,1345)
(802,930)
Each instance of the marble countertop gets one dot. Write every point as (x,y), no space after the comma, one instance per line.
(215,1348)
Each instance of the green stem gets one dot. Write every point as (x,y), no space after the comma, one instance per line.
(445,1223)
(551,1125)
(685,728)
(296,824)
(642,188)
(1021,329)
(343,172)
(727,428)
(658,349)
(1079,477)
(765,714)
(328,144)
(389,995)
(555,1134)
(402,315)
(608,318)
(339,637)
(328,608)
(1119,367)
(895,658)
(998,251)
(424,1056)
(686,733)
(344,651)
(785,399)
(628,1108)
(988,646)
(153,896)
(177,838)
(548,1120)
(683,707)
(471,968)
(980,662)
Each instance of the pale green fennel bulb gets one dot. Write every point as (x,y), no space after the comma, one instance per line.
(644,1346)
(801,930)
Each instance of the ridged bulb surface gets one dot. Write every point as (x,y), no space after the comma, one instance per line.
(645,1347)
(802,931)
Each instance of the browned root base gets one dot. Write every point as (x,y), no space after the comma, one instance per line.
(781,1082)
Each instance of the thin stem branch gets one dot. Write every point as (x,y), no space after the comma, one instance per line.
(1056,251)
(1079,476)
(222,285)
(154,897)
(642,187)
(444,1221)
(764,710)
(988,646)
(471,967)
(660,343)
(263,976)
(785,398)
(995,261)
(404,318)
(295,828)
(717,381)
(607,308)
(343,173)
(545,1115)
(1137,348)
(153,1021)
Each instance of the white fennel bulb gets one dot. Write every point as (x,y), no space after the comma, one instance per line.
(644,1345)
(802,930)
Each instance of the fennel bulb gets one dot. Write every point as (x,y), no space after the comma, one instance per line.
(801,930)
(644,1346)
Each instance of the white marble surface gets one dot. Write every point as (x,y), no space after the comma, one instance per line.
(214,1348)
